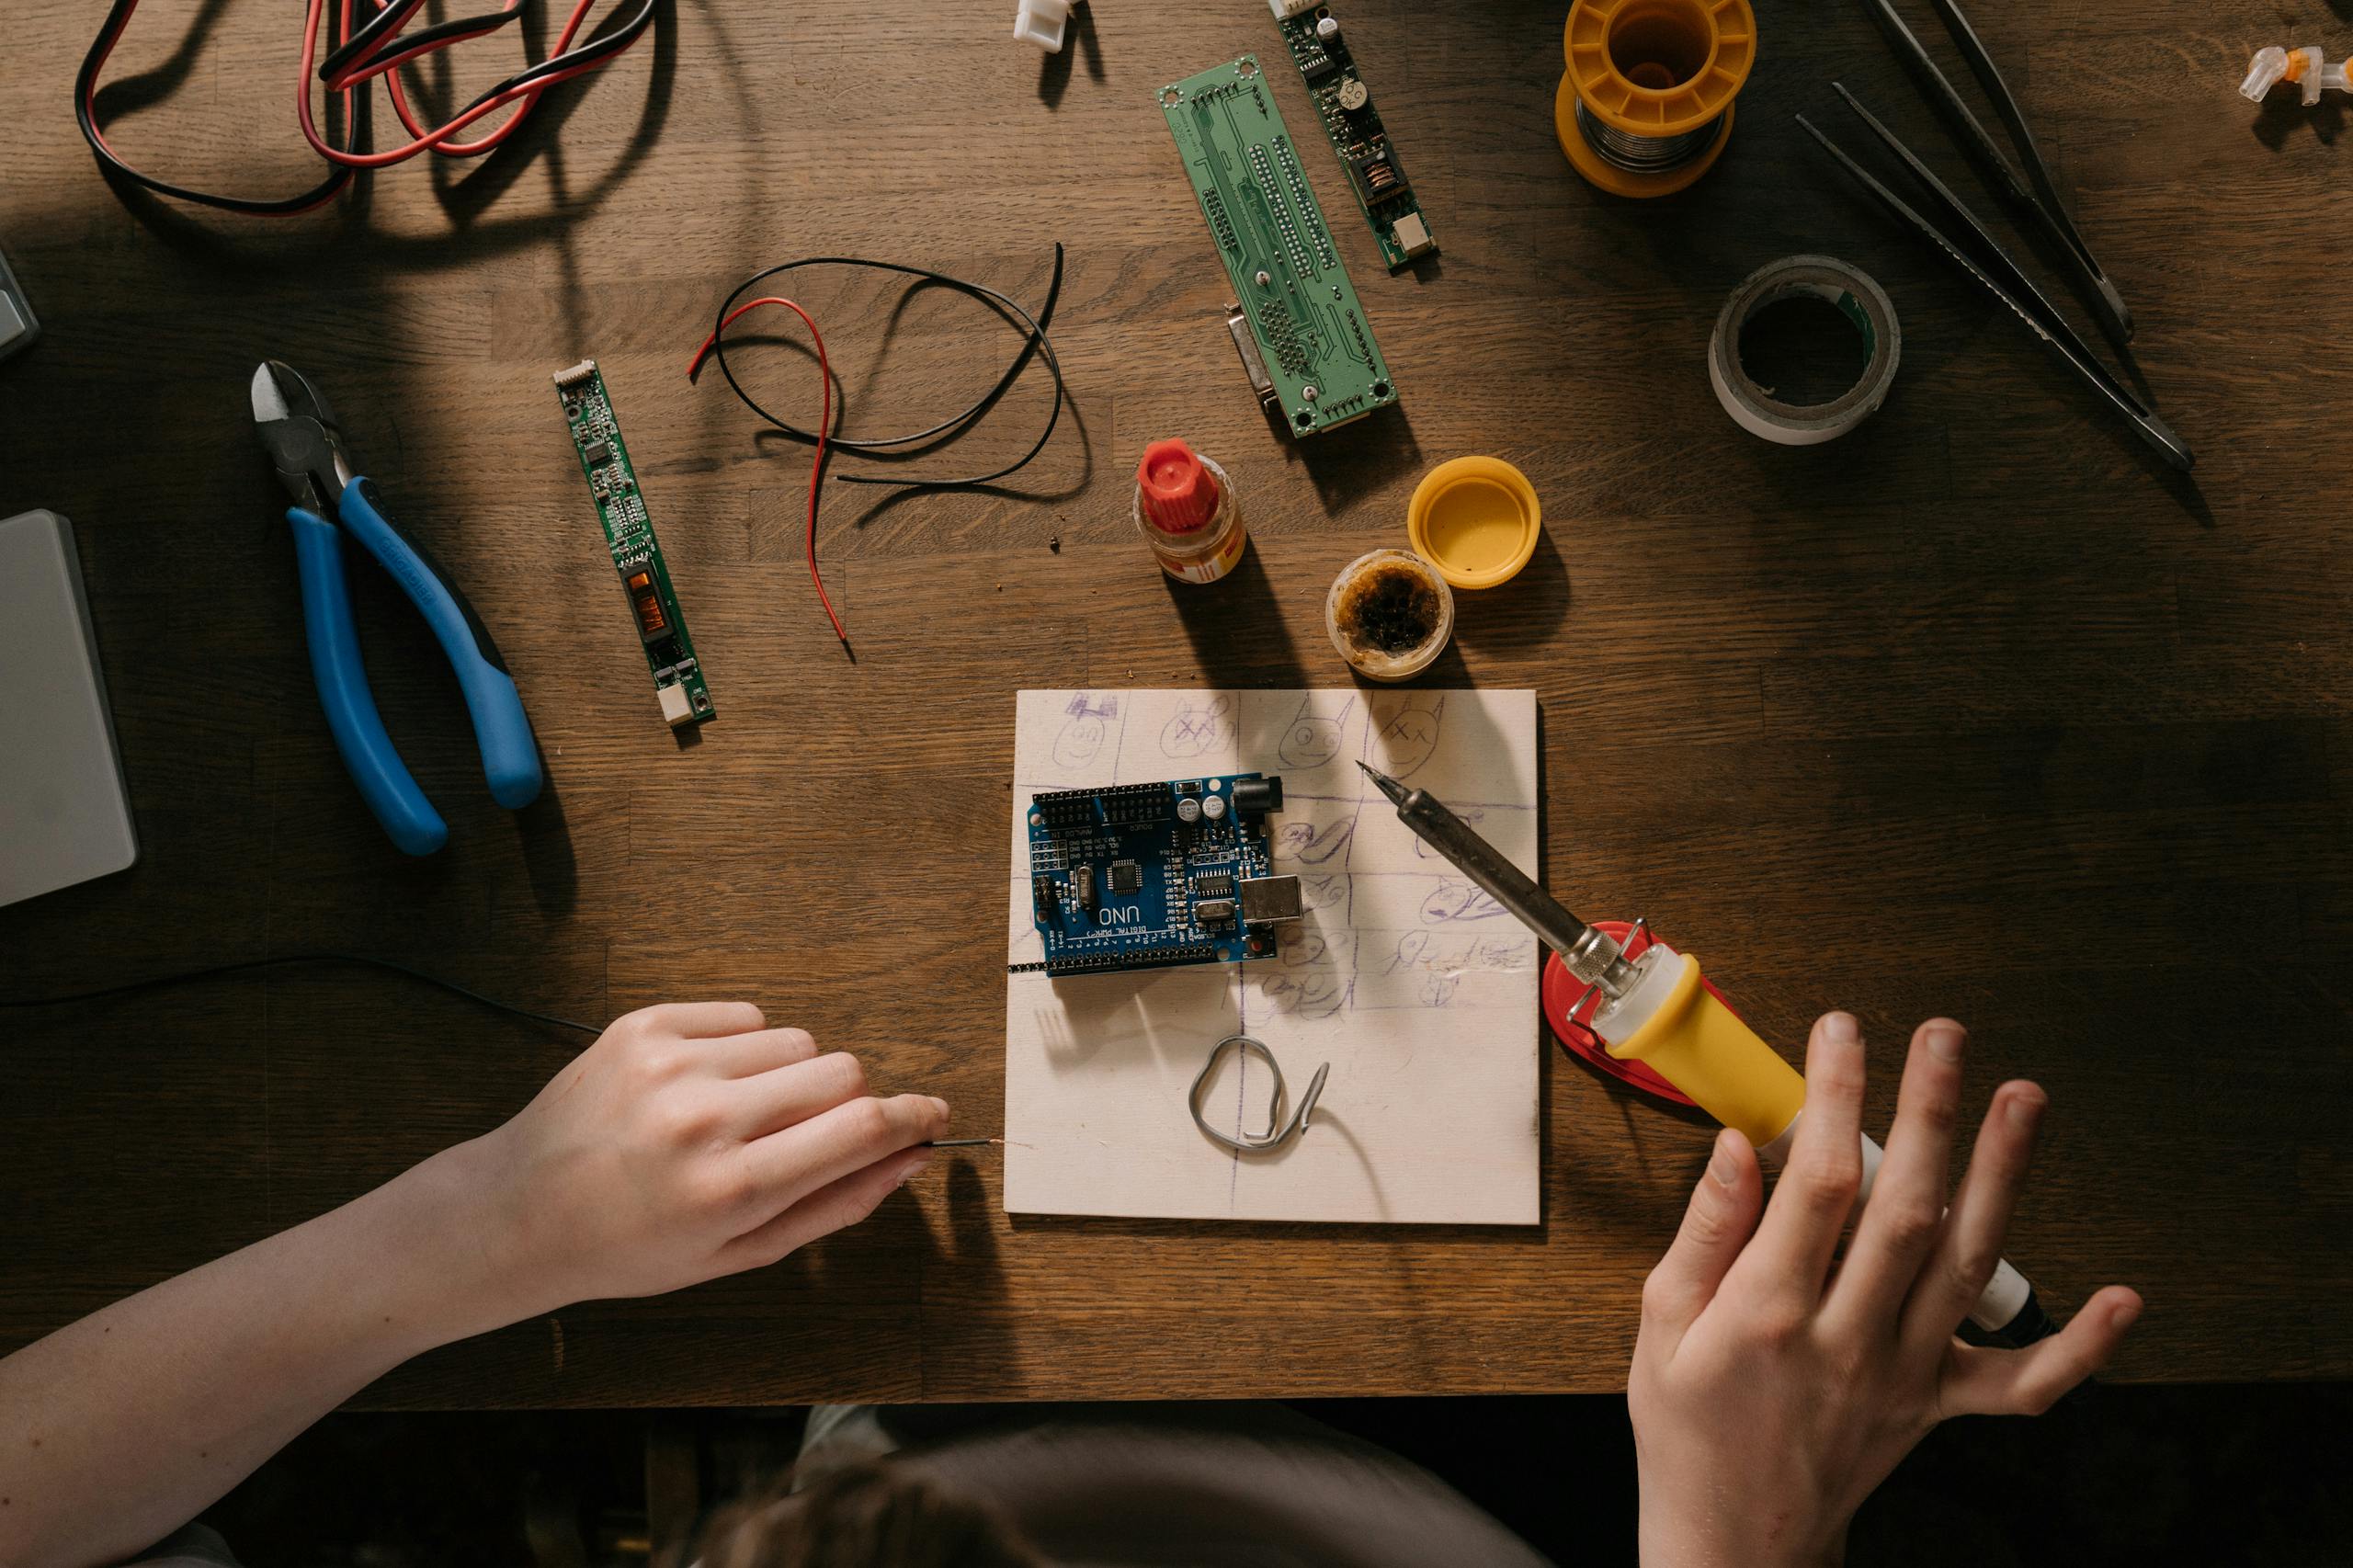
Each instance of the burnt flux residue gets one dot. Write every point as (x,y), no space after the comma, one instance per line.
(1390,608)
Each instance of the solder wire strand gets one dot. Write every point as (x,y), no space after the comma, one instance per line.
(1646,154)
(1034,342)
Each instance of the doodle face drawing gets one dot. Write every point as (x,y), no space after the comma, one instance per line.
(1080,740)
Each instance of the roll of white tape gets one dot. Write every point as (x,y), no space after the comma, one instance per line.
(1855,296)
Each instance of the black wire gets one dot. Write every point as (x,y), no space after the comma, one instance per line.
(86,96)
(597,49)
(213,971)
(1035,342)
(460,28)
(603,48)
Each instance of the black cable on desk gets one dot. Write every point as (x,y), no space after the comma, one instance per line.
(214,970)
(1034,342)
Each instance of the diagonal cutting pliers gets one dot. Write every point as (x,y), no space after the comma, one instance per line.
(299,431)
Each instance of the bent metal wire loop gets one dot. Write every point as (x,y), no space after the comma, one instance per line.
(1273,1138)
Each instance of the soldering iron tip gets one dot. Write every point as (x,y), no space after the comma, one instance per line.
(1386,785)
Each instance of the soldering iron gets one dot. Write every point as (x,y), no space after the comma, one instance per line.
(1653,1009)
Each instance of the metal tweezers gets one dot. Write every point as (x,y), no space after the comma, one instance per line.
(2001,277)
(2042,207)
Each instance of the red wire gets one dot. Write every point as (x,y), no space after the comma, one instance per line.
(523,98)
(114,37)
(825,427)
(348,81)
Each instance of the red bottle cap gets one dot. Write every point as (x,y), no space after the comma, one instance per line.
(1181,495)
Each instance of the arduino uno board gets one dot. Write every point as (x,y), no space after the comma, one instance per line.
(1149,876)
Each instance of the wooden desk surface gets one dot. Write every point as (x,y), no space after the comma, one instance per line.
(1971,711)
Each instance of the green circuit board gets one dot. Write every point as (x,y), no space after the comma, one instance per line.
(1296,321)
(1345,103)
(637,554)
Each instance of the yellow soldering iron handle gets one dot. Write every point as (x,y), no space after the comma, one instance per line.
(1696,1044)
(1678,1028)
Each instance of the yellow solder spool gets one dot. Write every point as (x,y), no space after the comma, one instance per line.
(1646,107)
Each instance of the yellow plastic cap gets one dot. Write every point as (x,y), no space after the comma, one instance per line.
(1696,1044)
(1476,519)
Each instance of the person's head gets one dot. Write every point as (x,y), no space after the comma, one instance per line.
(886,1515)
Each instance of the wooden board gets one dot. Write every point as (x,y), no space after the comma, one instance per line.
(1416,989)
(1970,712)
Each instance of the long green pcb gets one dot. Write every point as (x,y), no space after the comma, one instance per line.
(1302,334)
(1344,105)
(637,554)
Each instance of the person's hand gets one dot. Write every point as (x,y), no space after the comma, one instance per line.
(690,1142)
(1769,1394)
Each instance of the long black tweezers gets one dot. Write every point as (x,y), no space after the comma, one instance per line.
(1990,252)
(2062,340)
(2047,213)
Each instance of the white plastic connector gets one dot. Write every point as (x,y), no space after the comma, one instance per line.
(1285,10)
(2306,67)
(1043,23)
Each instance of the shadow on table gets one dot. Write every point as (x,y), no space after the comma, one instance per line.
(1237,629)
(1053,70)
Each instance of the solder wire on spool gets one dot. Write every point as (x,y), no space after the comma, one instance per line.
(1855,295)
(1645,105)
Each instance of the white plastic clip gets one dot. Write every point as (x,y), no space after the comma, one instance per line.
(2305,67)
(1042,22)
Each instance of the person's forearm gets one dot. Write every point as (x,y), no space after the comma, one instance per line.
(1685,1543)
(118,1429)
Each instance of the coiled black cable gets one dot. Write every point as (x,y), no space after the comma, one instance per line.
(1036,342)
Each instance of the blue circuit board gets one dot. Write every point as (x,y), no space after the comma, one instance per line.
(1146,876)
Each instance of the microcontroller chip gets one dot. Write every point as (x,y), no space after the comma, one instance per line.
(599,454)
(1121,878)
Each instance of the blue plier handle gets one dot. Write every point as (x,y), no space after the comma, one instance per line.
(331,503)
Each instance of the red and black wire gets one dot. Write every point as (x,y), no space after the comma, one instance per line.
(828,438)
(376,47)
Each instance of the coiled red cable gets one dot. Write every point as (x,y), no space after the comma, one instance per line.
(375,48)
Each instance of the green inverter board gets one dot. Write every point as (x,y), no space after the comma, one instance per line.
(1296,322)
(637,554)
(1344,105)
